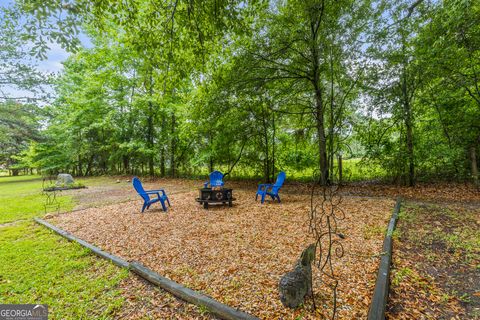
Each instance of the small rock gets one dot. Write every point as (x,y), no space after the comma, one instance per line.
(64,180)
(48,216)
(118,181)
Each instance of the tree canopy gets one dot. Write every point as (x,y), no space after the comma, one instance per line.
(176,87)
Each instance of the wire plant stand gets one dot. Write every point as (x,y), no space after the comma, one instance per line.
(51,203)
(325,213)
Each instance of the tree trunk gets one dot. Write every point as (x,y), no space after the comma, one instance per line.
(473,159)
(340,170)
(319,107)
(410,152)
(266,150)
(80,173)
(151,170)
(150,128)
(331,131)
(89,166)
(210,164)
(173,147)
(273,146)
(162,161)
(409,131)
(322,145)
(322,142)
(125,164)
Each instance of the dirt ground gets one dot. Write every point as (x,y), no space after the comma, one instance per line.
(101,192)
(436,261)
(237,255)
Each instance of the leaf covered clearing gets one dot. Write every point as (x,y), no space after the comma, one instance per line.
(237,255)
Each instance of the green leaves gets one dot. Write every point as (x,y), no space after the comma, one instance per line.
(261,85)
(18,127)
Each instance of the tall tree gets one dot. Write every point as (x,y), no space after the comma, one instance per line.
(18,127)
(395,78)
(304,45)
(449,47)
(20,79)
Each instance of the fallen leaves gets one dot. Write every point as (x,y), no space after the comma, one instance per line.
(142,300)
(433,191)
(435,258)
(237,255)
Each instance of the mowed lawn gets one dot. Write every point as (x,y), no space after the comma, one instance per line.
(38,266)
(21,198)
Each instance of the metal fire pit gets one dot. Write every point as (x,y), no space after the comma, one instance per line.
(215,195)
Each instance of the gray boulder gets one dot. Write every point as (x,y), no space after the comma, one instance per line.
(295,285)
(64,180)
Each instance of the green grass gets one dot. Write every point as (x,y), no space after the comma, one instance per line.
(370,231)
(21,198)
(462,237)
(41,267)
(38,266)
(353,170)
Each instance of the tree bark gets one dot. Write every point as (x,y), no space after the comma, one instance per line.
(173,148)
(340,170)
(410,152)
(162,161)
(210,164)
(89,165)
(162,148)
(266,150)
(125,164)
(273,146)
(80,173)
(319,107)
(150,128)
(473,159)
(408,119)
(322,142)
(331,131)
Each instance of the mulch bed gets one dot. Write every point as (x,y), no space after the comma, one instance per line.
(51,189)
(145,301)
(237,255)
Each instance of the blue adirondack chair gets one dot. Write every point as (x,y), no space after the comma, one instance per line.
(271,189)
(145,194)
(216,180)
